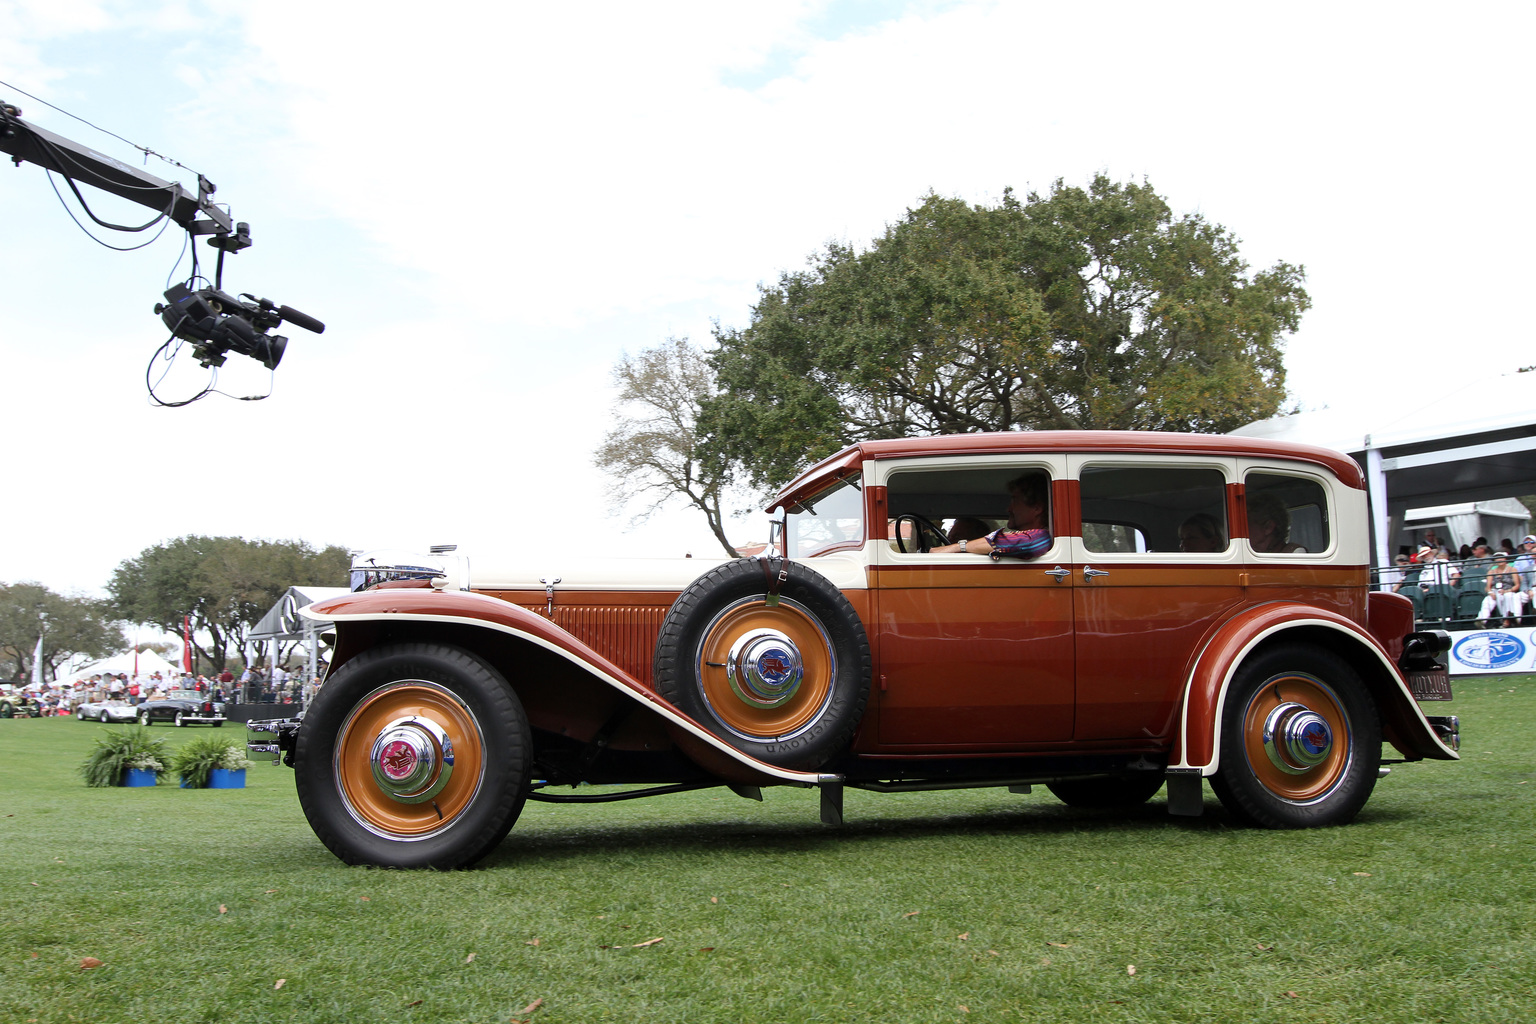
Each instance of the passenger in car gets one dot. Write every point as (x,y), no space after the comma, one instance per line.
(967,528)
(1027,534)
(1269,525)
(1201,533)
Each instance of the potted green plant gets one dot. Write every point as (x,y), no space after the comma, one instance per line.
(125,757)
(211,762)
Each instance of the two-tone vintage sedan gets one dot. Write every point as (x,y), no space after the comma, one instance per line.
(108,710)
(1102,613)
(182,708)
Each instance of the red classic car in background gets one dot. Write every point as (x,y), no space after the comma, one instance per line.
(1189,608)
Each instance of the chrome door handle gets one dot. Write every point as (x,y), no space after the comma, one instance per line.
(1089,572)
(1059,573)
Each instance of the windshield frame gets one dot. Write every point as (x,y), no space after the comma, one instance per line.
(838,502)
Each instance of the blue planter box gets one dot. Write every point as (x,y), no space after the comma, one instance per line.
(138,777)
(226,778)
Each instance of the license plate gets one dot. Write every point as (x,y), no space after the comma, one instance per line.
(1430,684)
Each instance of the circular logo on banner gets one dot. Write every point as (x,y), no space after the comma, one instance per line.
(1489,650)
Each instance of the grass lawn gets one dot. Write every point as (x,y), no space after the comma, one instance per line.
(969,906)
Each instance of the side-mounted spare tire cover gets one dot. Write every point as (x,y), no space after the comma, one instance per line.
(769,656)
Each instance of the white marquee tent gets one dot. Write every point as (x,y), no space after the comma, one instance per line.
(1428,444)
(148,663)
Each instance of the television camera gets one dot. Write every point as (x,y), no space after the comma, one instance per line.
(216,323)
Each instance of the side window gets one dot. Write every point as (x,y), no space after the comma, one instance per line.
(959,503)
(1154,508)
(1286,513)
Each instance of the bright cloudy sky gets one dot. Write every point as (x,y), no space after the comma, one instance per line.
(489,203)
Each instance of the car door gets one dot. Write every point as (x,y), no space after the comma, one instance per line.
(1156,569)
(970,653)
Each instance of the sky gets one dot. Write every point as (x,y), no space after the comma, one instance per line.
(489,204)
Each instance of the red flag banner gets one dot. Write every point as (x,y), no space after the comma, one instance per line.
(186,643)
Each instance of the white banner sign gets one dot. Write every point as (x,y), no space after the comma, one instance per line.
(1492,652)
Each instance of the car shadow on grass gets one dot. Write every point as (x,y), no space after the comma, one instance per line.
(560,841)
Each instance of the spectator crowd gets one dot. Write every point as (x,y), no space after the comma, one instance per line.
(1492,586)
(254,686)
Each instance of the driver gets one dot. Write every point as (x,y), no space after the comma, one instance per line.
(1026,535)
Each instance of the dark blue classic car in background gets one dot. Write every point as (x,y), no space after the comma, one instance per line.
(182,707)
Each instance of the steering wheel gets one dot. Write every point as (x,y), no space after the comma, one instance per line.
(924,532)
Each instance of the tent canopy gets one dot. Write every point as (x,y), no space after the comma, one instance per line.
(283,621)
(149,663)
(1427,445)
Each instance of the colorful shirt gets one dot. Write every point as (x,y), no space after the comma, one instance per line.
(1008,543)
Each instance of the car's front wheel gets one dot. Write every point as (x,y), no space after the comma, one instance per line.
(144,719)
(102,718)
(413,755)
(1300,740)
(180,720)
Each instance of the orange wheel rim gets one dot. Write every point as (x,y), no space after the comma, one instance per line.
(749,654)
(1297,737)
(441,720)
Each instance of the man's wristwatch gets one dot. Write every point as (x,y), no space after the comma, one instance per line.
(962,547)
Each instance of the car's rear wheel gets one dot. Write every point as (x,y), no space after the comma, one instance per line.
(1129,790)
(180,720)
(413,755)
(144,719)
(782,676)
(1300,740)
(80,714)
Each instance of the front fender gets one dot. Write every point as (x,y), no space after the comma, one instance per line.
(418,605)
(1199,741)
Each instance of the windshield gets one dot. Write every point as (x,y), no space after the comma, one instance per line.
(832,519)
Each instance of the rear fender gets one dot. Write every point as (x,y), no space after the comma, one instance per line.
(1199,738)
(486,624)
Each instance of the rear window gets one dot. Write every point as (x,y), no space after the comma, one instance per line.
(1286,514)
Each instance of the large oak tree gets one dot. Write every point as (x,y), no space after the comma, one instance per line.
(69,625)
(225,584)
(1077,309)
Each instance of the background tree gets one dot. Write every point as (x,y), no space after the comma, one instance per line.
(74,625)
(226,584)
(1080,309)
(653,450)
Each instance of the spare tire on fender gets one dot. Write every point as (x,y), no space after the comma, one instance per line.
(768,655)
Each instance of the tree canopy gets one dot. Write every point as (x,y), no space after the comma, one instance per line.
(1078,309)
(69,626)
(225,584)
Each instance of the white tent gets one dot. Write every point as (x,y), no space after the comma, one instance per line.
(148,664)
(1427,444)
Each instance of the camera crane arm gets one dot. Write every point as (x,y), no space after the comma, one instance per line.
(27,143)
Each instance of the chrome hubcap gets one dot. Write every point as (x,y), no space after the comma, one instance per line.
(412,760)
(1296,738)
(764,668)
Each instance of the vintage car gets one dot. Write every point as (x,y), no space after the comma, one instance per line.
(15,702)
(105,711)
(181,707)
(1197,609)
